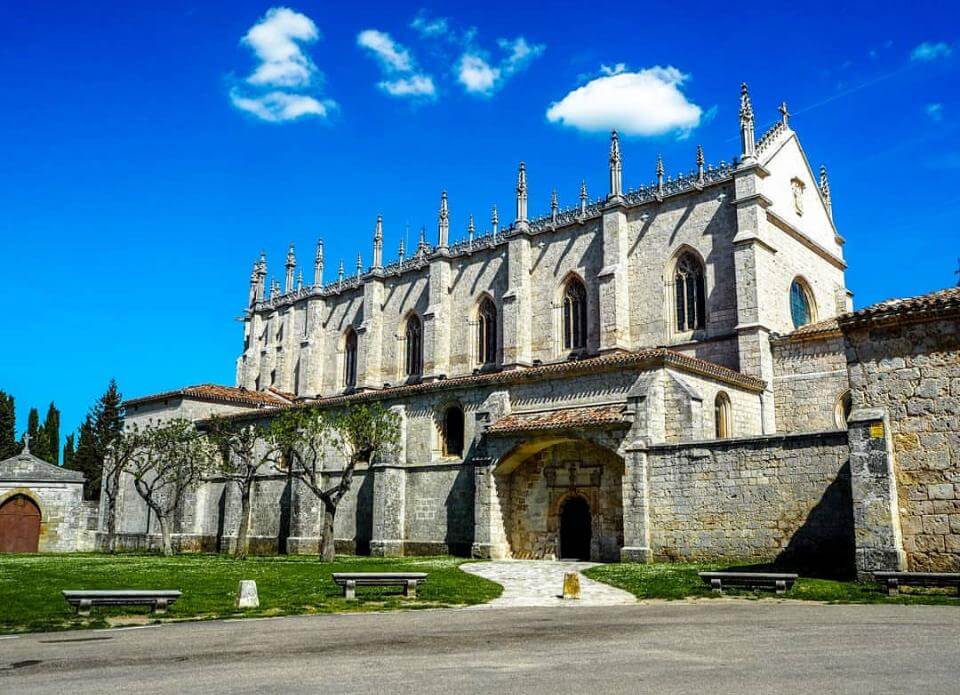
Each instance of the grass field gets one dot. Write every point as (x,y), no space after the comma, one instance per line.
(30,586)
(679,581)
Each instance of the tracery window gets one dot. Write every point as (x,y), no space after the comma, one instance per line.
(723,416)
(802,309)
(574,315)
(487,332)
(689,293)
(350,358)
(414,341)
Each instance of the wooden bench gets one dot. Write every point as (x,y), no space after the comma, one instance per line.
(894,580)
(781,583)
(157,599)
(351,580)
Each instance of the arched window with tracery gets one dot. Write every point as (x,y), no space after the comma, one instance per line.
(350,359)
(574,315)
(414,341)
(451,432)
(802,308)
(689,293)
(486,332)
(723,416)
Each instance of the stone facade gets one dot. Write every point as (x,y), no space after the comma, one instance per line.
(727,440)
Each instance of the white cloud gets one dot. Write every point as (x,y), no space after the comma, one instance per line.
(934,111)
(397,64)
(429,28)
(479,76)
(392,56)
(646,102)
(928,51)
(284,86)
(276,40)
(415,86)
(277,107)
(615,70)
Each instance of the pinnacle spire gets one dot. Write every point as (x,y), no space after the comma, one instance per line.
(825,189)
(291,264)
(359,265)
(422,243)
(378,244)
(700,160)
(402,251)
(583,196)
(300,280)
(554,206)
(340,273)
(261,277)
(659,174)
(443,227)
(747,142)
(495,220)
(318,264)
(522,194)
(616,167)
(471,230)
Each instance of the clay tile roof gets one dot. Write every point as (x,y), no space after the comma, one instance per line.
(932,305)
(828,328)
(218,394)
(559,420)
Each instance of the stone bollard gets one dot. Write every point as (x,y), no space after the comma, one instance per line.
(571,585)
(247,596)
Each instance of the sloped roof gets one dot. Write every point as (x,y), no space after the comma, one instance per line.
(25,467)
(219,394)
(828,328)
(931,305)
(571,418)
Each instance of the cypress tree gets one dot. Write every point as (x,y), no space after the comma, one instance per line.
(51,435)
(86,460)
(108,418)
(68,451)
(8,427)
(33,429)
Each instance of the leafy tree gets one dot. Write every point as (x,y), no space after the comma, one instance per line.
(172,458)
(358,433)
(8,427)
(68,446)
(243,448)
(124,448)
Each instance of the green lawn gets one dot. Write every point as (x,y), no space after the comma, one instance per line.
(30,586)
(679,580)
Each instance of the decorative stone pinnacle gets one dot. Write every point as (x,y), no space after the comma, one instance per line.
(359,265)
(300,280)
(746,108)
(290,266)
(554,205)
(659,174)
(471,229)
(318,264)
(825,189)
(402,251)
(522,194)
(495,220)
(583,196)
(378,243)
(340,272)
(747,142)
(700,160)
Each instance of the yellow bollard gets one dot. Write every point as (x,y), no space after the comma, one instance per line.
(571,585)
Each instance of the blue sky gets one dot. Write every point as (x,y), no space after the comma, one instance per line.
(150,150)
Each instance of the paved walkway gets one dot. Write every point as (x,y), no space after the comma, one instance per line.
(540,583)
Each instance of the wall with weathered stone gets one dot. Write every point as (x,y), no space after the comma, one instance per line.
(63,517)
(773,498)
(912,371)
(810,376)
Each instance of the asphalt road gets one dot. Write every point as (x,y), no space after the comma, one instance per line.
(707,647)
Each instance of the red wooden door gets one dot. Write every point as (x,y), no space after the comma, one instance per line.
(19,525)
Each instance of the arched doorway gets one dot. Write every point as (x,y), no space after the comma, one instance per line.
(19,525)
(575,531)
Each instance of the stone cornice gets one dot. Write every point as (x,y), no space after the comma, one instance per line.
(796,234)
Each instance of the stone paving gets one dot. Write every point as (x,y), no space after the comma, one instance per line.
(540,583)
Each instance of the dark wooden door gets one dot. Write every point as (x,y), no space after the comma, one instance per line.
(575,529)
(19,526)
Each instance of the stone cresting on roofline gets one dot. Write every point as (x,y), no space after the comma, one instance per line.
(217,394)
(643,195)
(651,357)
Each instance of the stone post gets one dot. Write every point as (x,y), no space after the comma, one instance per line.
(389,496)
(489,536)
(636,505)
(876,515)
(516,303)
(614,279)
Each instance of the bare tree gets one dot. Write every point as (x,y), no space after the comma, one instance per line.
(244,448)
(124,447)
(358,433)
(172,459)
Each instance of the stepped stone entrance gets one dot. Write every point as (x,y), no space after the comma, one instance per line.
(575,529)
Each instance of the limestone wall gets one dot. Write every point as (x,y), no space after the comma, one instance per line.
(63,516)
(913,372)
(809,378)
(779,497)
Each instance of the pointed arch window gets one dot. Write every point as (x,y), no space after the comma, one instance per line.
(414,341)
(723,416)
(350,359)
(574,315)
(486,332)
(690,293)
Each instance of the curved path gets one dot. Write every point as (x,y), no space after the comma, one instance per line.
(540,583)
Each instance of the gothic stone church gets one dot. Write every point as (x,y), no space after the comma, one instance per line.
(669,372)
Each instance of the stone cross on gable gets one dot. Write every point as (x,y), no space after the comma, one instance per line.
(26,443)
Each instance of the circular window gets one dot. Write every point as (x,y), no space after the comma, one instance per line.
(801,304)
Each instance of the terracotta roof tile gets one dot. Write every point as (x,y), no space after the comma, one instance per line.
(827,328)
(217,393)
(559,420)
(931,305)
